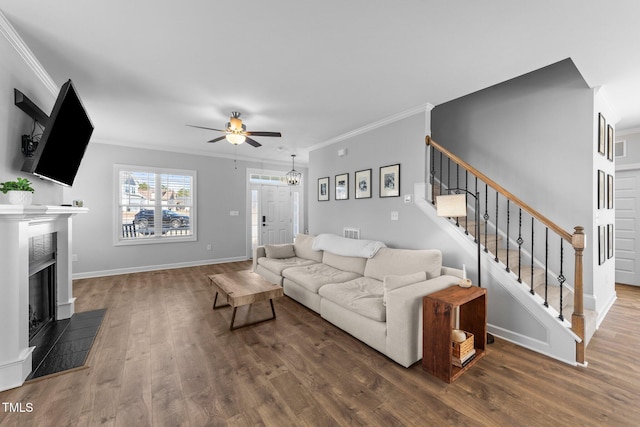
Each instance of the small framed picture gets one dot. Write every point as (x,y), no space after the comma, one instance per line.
(601,189)
(602,134)
(610,193)
(602,244)
(610,142)
(323,189)
(342,186)
(390,181)
(363,184)
(610,241)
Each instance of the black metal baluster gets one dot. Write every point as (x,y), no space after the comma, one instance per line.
(476,232)
(561,278)
(486,214)
(441,172)
(532,254)
(448,174)
(546,267)
(433,176)
(508,219)
(496,259)
(466,189)
(520,242)
(458,191)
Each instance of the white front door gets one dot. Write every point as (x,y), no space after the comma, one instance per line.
(275,220)
(627,234)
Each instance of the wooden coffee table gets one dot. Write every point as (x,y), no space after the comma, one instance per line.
(242,288)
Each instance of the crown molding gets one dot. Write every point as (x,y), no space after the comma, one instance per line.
(29,58)
(375,125)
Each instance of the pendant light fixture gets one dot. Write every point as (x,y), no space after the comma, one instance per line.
(293,176)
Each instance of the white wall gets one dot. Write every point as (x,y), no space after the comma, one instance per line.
(604,292)
(632,138)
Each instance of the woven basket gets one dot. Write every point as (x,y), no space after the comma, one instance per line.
(460,349)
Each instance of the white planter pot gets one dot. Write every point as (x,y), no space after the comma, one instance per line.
(20,197)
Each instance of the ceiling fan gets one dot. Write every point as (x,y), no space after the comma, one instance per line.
(236,133)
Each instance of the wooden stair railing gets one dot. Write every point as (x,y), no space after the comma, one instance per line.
(513,203)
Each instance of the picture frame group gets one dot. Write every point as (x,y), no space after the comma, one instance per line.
(605,243)
(389,184)
(606,191)
(605,138)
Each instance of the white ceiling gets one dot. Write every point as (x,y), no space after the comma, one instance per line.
(314,71)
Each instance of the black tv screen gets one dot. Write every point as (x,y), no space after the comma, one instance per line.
(64,140)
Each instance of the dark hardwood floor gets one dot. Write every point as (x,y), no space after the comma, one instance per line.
(162,357)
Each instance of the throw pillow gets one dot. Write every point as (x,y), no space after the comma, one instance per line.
(279,251)
(392,282)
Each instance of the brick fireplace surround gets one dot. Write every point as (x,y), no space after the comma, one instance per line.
(17,224)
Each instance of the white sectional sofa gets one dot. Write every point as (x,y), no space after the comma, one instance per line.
(370,291)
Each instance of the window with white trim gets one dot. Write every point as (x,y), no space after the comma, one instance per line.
(154,205)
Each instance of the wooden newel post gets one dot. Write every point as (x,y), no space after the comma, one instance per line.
(577,318)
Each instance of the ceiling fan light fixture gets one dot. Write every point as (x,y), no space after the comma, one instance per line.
(236,138)
(235,123)
(293,176)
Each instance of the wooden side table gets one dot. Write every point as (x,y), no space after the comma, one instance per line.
(439,312)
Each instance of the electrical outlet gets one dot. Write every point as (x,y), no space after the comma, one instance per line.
(209,247)
(394,215)
(74,257)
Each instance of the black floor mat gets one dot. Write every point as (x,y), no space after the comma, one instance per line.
(65,344)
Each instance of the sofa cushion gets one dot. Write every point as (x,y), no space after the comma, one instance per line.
(279,251)
(392,282)
(404,261)
(345,263)
(303,246)
(277,266)
(312,277)
(362,295)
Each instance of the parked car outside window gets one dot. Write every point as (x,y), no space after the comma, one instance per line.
(170,219)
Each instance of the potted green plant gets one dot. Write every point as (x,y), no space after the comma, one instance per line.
(19,191)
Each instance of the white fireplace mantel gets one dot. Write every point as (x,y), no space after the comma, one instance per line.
(17,224)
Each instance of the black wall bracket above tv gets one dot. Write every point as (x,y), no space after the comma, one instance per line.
(27,105)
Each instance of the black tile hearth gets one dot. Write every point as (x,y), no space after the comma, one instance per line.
(65,344)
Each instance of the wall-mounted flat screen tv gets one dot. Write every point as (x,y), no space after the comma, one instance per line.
(64,139)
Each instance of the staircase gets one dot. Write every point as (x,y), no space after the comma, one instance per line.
(537,261)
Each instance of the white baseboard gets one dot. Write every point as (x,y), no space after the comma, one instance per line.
(145,268)
(13,373)
(66,309)
(526,342)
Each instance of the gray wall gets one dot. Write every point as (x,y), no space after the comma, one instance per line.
(535,136)
(221,188)
(400,142)
(14,73)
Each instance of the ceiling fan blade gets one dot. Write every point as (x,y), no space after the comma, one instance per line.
(258,133)
(202,127)
(217,139)
(253,142)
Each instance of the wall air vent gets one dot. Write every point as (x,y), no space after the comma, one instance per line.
(351,233)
